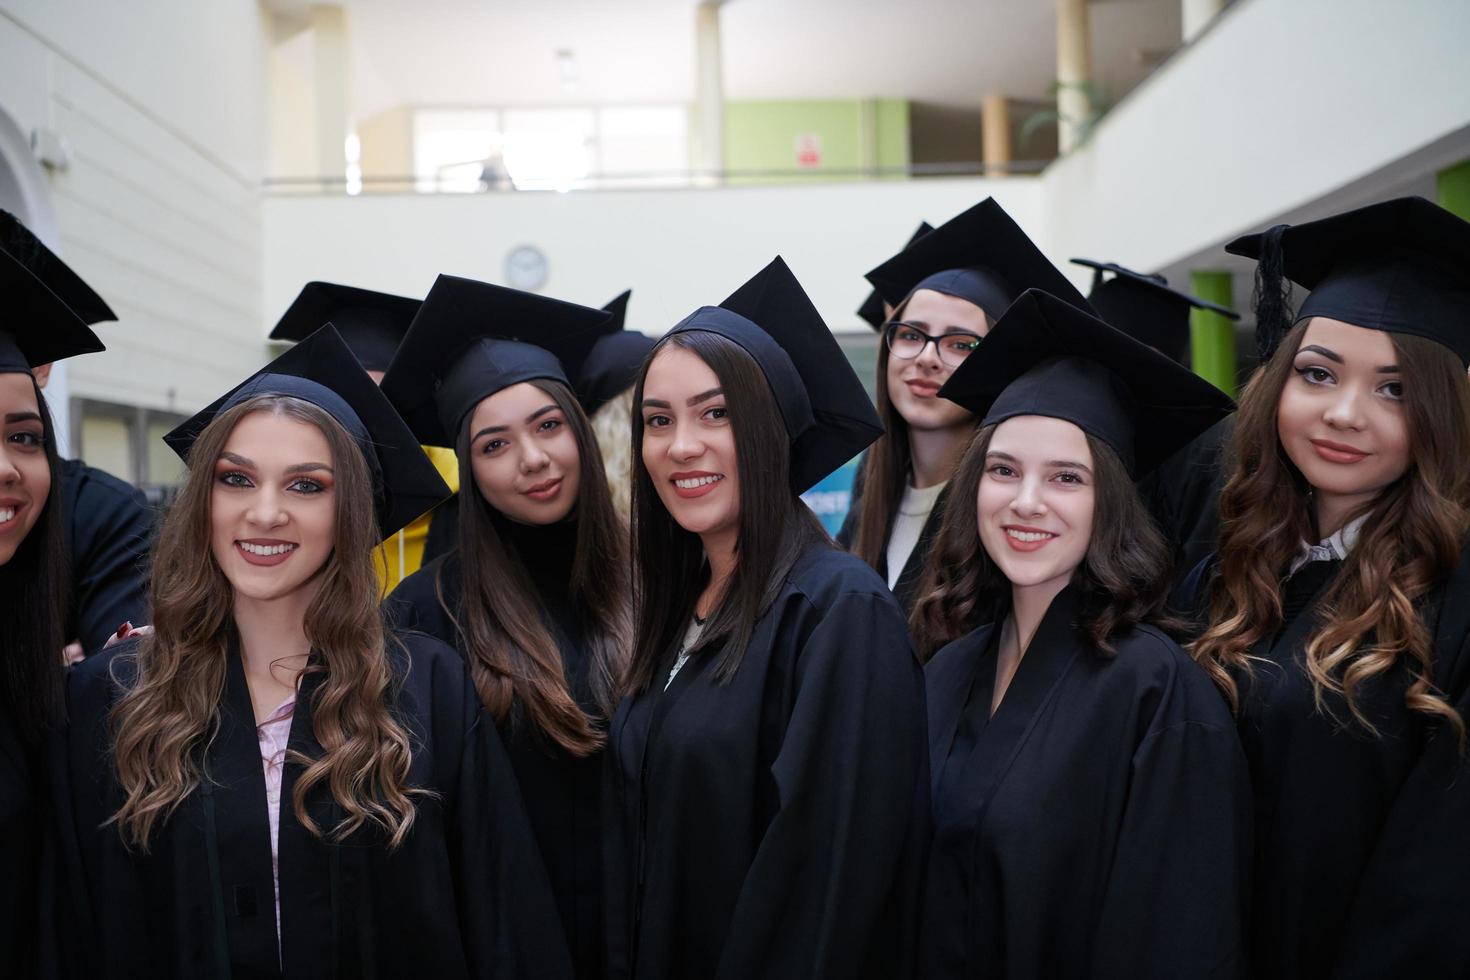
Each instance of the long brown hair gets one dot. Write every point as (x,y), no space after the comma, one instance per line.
(1123,578)
(1370,615)
(35,590)
(514,659)
(775,526)
(171,710)
(886,465)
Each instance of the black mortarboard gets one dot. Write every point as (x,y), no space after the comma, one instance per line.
(617,310)
(827,414)
(1046,357)
(31,252)
(1399,266)
(980,255)
(1145,307)
(372,323)
(872,310)
(38,327)
(612,364)
(471,339)
(322,370)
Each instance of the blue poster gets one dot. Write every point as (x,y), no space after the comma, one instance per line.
(831,499)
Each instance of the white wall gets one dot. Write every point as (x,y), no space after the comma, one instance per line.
(162,104)
(677,250)
(1279,104)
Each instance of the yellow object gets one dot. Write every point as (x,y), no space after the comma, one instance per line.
(400,556)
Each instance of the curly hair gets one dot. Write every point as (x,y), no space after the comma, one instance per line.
(1370,616)
(1123,578)
(171,711)
(612,424)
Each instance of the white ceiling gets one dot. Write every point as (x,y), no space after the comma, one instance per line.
(496,52)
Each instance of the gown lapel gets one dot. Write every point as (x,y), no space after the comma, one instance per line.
(241,831)
(949,682)
(310,869)
(1301,592)
(999,738)
(642,724)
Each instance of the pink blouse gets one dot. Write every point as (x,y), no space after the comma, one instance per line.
(274,732)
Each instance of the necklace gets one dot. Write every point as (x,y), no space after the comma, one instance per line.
(690,637)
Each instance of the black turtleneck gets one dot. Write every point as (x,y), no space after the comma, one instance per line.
(547,554)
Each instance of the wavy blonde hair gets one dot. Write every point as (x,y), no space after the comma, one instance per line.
(171,711)
(612,425)
(1370,616)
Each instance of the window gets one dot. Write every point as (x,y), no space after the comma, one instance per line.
(550,148)
(127,441)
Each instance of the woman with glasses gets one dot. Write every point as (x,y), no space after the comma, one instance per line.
(946,288)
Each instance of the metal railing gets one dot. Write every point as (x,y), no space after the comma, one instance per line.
(694,179)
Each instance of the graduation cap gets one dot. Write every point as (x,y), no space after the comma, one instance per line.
(372,323)
(22,245)
(1399,266)
(612,364)
(323,371)
(872,311)
(471,339)
(38,326)
(827,414)
(1046,357)
(980,255)
(1145,308)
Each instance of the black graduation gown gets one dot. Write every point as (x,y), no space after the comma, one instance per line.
(21,819)
(1183,495)
(1362,855)
(775,826)
(906,589)
(443,531)
(110,528)
(563,793)
(464,896)
(1097,825)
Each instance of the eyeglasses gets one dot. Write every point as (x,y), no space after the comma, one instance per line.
(906,342)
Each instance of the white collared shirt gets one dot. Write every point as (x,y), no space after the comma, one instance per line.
(1334,548)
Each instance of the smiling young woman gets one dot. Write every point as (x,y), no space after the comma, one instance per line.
(946,289)
(108,523)
(253,788)
(34,587)
(373,324)
(769,800)
(1078,756)
(535,595)
(1336,615)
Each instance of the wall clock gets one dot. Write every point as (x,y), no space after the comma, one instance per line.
(526,268)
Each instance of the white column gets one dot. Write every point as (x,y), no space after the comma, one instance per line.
(709,88)
(332,88)
(995,135)
(1074,71)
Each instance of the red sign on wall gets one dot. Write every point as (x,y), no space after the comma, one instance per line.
(808,150)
